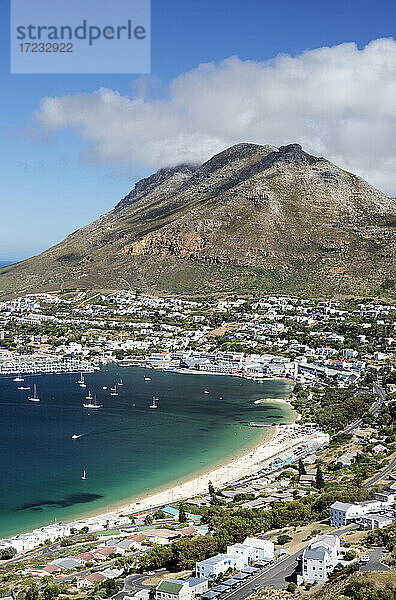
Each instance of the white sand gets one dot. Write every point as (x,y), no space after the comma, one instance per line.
(247,464)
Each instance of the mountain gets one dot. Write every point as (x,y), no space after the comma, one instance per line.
(252,219)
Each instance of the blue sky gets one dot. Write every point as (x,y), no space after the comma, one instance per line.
(48,186)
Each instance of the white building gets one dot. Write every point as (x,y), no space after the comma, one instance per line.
(263,550)
(319,558)
(179,589)
(214,566)
(343,512)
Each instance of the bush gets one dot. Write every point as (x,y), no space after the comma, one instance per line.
(350,554)
(292,587)
(7,553)
(283,539)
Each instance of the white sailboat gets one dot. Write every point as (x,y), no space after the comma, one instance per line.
(147,379)
(93,404)
(113,391)
(206,392)
(34,398)
(75,436)
(21,387)
(154,402)
(84,475)
(89,397)
(18,378)
(120,382)
(82,381)
(104,387)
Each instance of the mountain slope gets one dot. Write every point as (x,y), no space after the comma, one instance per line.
(251,219)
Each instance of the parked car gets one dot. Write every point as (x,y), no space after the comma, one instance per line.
(364,558)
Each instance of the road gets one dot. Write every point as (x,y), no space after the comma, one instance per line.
(381,474)
(376,555)
(374,410)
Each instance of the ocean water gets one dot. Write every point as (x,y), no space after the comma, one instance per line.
(6,263)
(128,450)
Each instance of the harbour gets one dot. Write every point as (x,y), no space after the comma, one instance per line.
(127,450)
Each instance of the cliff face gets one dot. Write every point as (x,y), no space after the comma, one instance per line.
(252,219)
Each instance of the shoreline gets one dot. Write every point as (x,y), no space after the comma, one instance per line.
(223,474)
(232,469)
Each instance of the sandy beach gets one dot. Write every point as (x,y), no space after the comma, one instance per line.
(277,444)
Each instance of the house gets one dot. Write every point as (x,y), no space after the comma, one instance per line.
(375,521)
(379,448)
(180,589)
(263,550)
(88,581)
(214,566)
(124,546)
(343,512)
(44,571)
(242,553)
(103,553)
(86,557)
(138,538)
(187,531)
(319,558)
(161,536)
(68,564)
(347,458)
(307,479)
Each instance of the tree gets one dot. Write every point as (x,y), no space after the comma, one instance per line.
(292,587)
(301,468)
(32,593)
(7,553)
(51,591)
(111,587)
(211,489)
(350,554)
(159,514)
(148,519)
(152,592)
(320,482)
(283,539)
(182,514)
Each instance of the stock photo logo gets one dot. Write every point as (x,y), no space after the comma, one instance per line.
(82,37)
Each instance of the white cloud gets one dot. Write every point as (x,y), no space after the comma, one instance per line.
(338,102)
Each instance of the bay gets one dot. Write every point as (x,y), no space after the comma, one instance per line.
(128,450)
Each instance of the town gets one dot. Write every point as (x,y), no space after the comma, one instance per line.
(316,505)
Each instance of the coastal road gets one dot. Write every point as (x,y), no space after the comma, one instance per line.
(381,474)
(374,410)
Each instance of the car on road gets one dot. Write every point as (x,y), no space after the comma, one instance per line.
(364,558)
(256,587)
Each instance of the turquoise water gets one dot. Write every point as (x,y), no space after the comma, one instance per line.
(128,451)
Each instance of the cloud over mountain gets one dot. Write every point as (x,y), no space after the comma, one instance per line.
(337,101)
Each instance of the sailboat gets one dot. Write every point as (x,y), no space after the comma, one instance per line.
(89,397)
(154,402)
(84,475)
(18,378)
(34,398)
(82,381)
(147,379)
(113,391)
(21,387)
(75,436)
(120,382)
(206,392)
(93,404)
